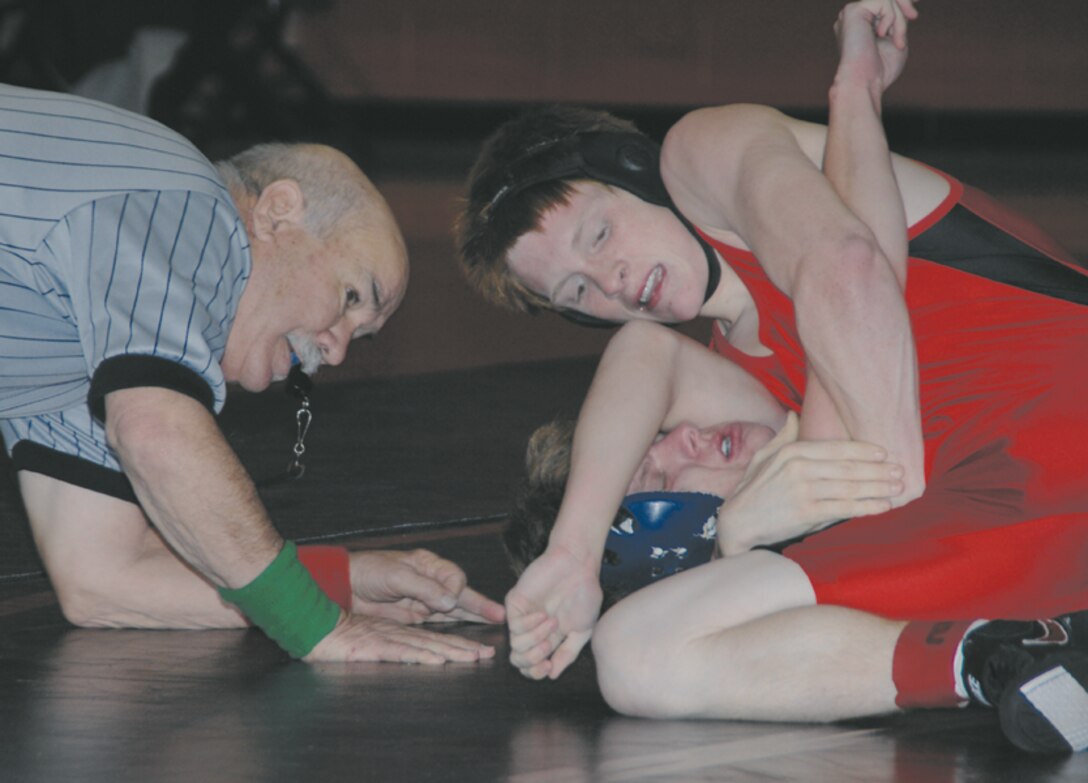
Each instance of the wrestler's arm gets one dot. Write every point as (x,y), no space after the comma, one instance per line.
(649,379)
(743,169)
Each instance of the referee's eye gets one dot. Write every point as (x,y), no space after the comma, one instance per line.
(351,298)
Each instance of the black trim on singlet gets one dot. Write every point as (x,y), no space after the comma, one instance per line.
(962,240)
(70,469)
(132,370)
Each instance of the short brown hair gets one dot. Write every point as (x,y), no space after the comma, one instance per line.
(484,235)
(547,465)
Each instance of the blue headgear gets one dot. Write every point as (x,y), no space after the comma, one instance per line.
(658,534)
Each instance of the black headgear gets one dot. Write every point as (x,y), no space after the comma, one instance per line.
(626,160)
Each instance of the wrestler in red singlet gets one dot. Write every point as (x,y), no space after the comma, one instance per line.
(1000,320)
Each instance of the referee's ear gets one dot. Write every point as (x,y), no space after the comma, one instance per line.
(280,205)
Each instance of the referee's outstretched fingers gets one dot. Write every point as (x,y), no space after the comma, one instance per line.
(361,638)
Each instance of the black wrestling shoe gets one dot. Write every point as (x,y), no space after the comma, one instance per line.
(997,653)
(1045,710)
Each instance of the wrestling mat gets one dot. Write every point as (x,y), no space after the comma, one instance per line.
(383,456)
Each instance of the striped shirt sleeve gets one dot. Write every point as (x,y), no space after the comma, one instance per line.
(155,281)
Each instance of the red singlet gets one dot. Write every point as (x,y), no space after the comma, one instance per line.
(1001,327)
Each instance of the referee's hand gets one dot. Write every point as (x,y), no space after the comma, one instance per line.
(361,638)
(416,586)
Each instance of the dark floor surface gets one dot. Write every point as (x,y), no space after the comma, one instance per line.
(427,461)
(381,455)
(87,705)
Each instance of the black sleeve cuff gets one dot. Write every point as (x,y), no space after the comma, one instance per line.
(70,469)
(133,370)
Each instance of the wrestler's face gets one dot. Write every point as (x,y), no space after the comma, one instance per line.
(317,298)
(609,254)
(711,459)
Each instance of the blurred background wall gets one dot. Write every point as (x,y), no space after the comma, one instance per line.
(995,92)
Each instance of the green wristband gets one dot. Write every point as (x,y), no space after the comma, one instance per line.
(286,603)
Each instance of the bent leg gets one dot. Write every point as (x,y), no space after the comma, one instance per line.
(741,638)
(108,565)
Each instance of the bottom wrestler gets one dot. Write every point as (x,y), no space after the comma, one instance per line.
(857,618)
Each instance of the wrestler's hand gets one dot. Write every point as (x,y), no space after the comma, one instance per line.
(796,487)
(872,36)
(360,638)
(416,587)
(551,613)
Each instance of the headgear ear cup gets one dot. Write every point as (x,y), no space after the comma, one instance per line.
(635,159)
(659,534)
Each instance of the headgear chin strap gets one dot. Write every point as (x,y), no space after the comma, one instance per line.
(658,534)
(625,160)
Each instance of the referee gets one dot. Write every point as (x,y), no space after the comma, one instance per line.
(137,279)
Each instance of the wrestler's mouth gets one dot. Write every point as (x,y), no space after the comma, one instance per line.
(731,443)
(650,294)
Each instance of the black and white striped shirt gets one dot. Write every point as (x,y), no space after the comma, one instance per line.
(122,260)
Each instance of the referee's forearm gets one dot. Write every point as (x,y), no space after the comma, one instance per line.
(191,484)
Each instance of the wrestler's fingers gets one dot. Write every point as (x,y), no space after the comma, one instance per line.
(567,652)
(857,490)
(528,639)
(532,656)
(523,656)
(537,672)
(898,30)
(849,470)
(524,623)
(906,7)
(883,21)
(843,449)
(519,605)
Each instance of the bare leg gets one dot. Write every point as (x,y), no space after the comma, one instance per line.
(741,638)
(109,566)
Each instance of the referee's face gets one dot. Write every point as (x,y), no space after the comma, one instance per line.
(360,280)
(314,296)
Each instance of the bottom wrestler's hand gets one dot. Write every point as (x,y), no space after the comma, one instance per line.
(416,587)
(360,638)
(793,488)
(551,613)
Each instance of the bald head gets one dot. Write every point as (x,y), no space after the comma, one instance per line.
(334,188)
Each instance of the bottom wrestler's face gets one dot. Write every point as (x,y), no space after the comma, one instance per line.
(689,459)
(611,255)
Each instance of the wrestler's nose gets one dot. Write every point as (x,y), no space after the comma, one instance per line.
(612,280)
(688,439)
